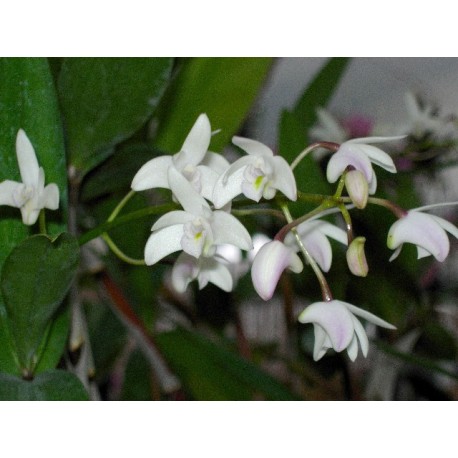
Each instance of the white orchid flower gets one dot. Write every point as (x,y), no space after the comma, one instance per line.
(427,232)
(260,174)
(313,234)
(268,265)
(360,154)
(336,326)
(205,270)
(200,166)
(31,195)
(197,229)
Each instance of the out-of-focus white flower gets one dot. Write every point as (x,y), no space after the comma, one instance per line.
(260,174)
(205,270)
(200,166)
(31,195)
(197,229)
(336,326)
(268,265)
(360,154)
(425,231)
(314,235)
(421,119)
(328,128)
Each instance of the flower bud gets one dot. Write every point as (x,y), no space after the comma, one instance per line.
(357,187)
(356,258)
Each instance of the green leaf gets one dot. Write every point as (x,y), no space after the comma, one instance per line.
(223,88)
(28,101)
(210,372)
(55,385)
(35,279)
(106,100)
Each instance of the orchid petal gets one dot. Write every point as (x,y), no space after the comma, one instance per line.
(10,193)
(197,142)
(422,230)
(184,271)
(172,218)
(396,253)
(184,192)
(208,180)
(322,342)
(362,336)
(333,231)
(352,349)
(447,225)
(422,253)
(29,215)
(334,318)
(319,248)
(27,159)
(162,243)
(225,192)
(252,147)
(283,179)
(345,156)
(153,174)
(368,316)
(268,265)
(216,162)
(218,274)
(50,197)
(369,140)
(379,157)
(228,229)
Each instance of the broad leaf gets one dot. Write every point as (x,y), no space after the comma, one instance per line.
(55,385)
(223,88)
(35,279)
(106,100)
(211,372)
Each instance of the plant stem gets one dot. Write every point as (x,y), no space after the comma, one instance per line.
(117,251)
(327,145)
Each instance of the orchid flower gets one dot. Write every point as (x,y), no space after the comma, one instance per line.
(197,229)
(205,270)
(336,326)
(425,231)
(360,154)
(260,174)
(313,234)
(200,166)
(268,265)
(31,195)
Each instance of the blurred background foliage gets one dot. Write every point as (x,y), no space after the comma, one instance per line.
(140,340)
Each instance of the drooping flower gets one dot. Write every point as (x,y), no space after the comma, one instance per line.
(268,265)
(314,235)
(259,174)
(197,229)
(205,270)
(31,195)
(425,231)
(200,166)
(336,326)
(360,154)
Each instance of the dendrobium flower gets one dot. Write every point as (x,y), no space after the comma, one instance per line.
(200,166)
(268,265)
(336,326)
(205,270)
(31,195)
(197,229)
(360,154)
(313,234)
(260,174)
(425,231)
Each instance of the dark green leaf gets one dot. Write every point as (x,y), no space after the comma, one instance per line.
(223,88)
(35,279)
(55,385)
(106,100)
(210,372)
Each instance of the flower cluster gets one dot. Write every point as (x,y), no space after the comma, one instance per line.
(205,185)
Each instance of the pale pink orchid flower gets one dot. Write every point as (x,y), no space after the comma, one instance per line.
(269,263)
(336,326)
